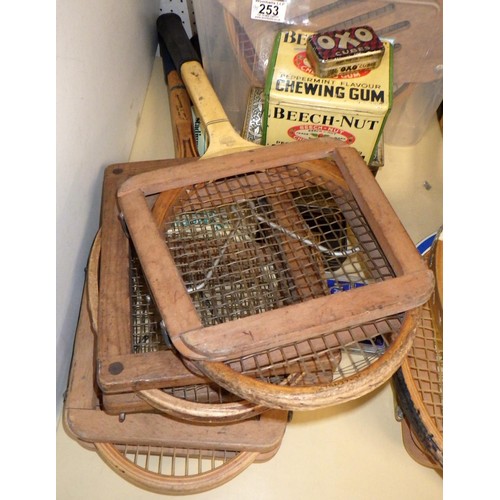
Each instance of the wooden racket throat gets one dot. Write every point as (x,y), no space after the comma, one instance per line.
(223,136)
(409,287)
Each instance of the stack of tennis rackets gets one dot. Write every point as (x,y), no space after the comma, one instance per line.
(231,289)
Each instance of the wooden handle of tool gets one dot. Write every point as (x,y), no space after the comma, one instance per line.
(180,107)
(180,114)
(203,95)
(222,136)
(181,120)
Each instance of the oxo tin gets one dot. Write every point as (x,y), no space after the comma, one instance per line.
(336,53)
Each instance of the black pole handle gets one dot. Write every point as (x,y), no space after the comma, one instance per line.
(177,43)
(168,64)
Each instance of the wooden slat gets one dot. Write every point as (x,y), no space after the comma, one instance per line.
(128,402)
(306,320)
(115,337)
(381,217)
(144,371)
(159,267)
(438,270)
(81,391)
(114,296)
(114,303)
(198,171)
(156,430)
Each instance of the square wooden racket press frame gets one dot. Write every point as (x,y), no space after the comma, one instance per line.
(120,370)
(199,400)
(127,373)
(410,287)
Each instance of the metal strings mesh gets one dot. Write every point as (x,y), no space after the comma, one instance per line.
(202,393)
(148,337)
(425,361)
(146,320)
(175,462)
(258,242)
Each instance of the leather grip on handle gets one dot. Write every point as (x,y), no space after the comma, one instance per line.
(172,32)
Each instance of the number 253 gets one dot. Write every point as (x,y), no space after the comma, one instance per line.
(269,10)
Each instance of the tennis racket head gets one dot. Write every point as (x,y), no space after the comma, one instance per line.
(174,471)
(419,382)
(257,262)
(323,371)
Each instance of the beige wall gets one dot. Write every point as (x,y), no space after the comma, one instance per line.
(105,52)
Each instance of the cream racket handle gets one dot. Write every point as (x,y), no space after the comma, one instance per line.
(223,139)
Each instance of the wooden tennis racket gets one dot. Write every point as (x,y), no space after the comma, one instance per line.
(419,382)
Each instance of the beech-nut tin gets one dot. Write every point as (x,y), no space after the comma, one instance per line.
(301,105)
(340,52)
(254,118)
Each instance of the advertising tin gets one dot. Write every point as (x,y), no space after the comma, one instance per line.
(300,105)
(336,53)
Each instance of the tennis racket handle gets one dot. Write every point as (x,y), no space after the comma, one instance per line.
(172,32)
(181,117)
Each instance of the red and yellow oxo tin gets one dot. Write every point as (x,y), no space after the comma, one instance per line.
(335,53)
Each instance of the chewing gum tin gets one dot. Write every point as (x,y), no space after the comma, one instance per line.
(301,105)
(335,53)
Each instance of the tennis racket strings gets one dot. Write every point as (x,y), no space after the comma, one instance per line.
(419,381)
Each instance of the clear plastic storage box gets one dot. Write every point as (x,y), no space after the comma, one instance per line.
(236,47)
